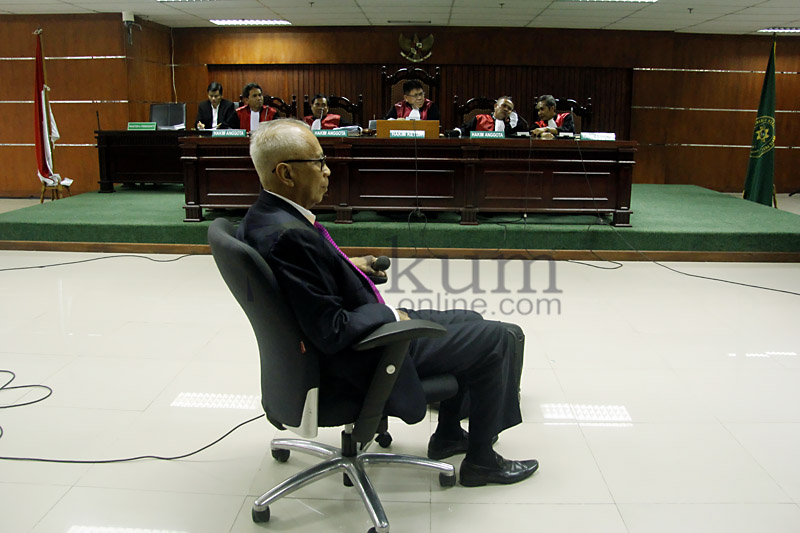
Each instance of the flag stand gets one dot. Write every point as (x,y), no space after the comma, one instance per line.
(56,191)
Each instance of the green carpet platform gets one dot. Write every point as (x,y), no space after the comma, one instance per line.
(677,222)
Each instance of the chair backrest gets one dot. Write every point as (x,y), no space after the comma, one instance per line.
(582,115)
(463,113)
(352,112)
(287,110)
(288,376)
(392,84)
(170,115)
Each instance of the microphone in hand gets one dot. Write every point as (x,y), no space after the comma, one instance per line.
(379,265)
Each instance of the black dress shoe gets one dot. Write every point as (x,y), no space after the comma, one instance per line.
(439,448)
(504,472)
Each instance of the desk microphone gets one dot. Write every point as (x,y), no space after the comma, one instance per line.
(98,120)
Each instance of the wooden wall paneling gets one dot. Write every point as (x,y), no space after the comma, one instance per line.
(86,79)
(152,43)
(64,35)
(191,82)
(787,170)
(112,117)
(17,123)
(651,164)
(149,82)
(721,169)
(718,90)
(787,127)
(18,174)
(465,46)
(139,112)
(80,164)
(90,79)
(68,79)
(696,127)
(78,122)
(17,78)
(18,177)
(149,75)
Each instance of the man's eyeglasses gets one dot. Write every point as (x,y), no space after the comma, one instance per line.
(322,160)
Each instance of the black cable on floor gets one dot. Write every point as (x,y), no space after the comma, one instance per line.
(5,387)
(98,259)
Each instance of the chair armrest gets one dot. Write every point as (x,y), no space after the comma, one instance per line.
(403,330)
(392,339)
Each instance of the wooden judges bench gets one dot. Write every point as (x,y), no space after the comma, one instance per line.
(461,175)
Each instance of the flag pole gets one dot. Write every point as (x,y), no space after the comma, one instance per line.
(46,97)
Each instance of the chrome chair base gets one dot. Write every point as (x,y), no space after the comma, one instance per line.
(354,467)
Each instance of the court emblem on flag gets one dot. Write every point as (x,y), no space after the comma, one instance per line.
(763,136)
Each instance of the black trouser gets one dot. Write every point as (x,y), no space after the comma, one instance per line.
(478,353)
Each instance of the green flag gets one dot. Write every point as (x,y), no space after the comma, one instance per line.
(760,170)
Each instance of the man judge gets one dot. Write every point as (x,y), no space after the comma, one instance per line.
(551,123)
(414,105)
(320,119)
(216,112)
(502,119)
(254,112)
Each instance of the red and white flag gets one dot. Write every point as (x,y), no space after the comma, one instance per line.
(44,123)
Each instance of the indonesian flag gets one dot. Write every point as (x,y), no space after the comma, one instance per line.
(45,123)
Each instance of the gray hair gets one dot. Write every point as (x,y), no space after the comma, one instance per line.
(548,100)
(275,141)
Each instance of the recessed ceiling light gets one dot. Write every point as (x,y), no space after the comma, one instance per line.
(241,22)
(780,30)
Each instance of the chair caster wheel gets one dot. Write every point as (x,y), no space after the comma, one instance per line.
(384,440)
(347,481)
(280,455)
(447,481)
(260,516)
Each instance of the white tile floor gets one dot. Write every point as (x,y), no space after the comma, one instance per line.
(655,402)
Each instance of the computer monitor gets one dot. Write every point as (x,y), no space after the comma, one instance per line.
(169,116)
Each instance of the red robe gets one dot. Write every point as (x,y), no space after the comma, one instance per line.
(485,123)
(329,121)
(559,118)
(404,109)
(267,113)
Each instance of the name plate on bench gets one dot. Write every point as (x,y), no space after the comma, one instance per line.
(141,126)
(406,134)
(487,135)
(330,133)
(229,133)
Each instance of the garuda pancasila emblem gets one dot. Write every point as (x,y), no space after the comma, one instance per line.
(414,49)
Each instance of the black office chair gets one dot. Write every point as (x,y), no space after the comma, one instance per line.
(582,114)
(290,383)
(286,110)
(465,112)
